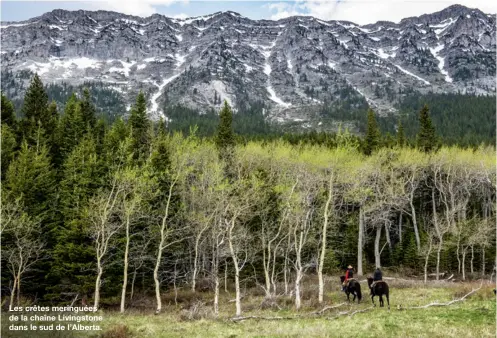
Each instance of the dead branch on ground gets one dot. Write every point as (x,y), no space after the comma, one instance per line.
(448,303)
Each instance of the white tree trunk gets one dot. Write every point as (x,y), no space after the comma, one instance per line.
(298,277)
(472,258)
(156,275)
(12,295)
(415,223)
(387,235)
(195,259)
(237,271)
(360,242)
(96,302)
(427,258)
(226,277)
(463,264)
(439,234)
(400,228)
(125,273)
(265,265)
(161,248)
(216,294)
(439,250)
(458,245)
(482,261)
(238,301)
(323,241)
(377,254)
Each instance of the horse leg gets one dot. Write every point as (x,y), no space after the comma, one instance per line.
(372,299)
(348,295)
(353,300)
(381,301)
(388,301)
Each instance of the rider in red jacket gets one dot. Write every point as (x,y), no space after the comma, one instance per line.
(348,275)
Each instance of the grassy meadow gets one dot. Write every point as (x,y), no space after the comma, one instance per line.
(190,315)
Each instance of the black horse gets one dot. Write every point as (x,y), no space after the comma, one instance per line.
(379,289)
(352,288)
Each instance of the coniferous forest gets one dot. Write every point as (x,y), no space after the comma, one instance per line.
(103,211)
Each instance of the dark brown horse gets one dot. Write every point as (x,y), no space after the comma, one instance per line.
(380,289)
(352,288)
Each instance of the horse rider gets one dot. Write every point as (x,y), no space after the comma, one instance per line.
(349,274)
(377,276)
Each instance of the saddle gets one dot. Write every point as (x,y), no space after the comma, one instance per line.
(346,283)
(376,282)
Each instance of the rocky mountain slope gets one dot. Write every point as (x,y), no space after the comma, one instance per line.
(291,66)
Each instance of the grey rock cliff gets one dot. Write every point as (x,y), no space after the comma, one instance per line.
(293,66)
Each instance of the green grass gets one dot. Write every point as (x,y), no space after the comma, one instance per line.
(474,317)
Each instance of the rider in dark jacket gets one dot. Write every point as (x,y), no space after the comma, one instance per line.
(377,276)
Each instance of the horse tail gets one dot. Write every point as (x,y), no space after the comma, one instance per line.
(358,291)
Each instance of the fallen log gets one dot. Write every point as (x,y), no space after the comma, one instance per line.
(327,308)
(350,313)
(239,319)
(448,303)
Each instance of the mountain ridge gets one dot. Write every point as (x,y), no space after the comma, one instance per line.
(292,66)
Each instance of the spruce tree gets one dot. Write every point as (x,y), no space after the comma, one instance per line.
(73,254)
(72,127)
(88,110)
(401,139)
(139,126)
(161,127)
(36,119)
(8,148)
(225,138)
(8,113)
(372,139)
(30,177)
(426,138)
(117,134)
(52,134)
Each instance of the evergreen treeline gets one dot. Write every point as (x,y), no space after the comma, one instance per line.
(99,212)
(462,119)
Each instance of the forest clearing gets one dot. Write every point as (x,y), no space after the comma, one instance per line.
(190,315)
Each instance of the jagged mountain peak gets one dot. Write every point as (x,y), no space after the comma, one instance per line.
(293,66)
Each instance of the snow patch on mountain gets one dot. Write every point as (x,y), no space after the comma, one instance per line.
(441,61)
(411,74)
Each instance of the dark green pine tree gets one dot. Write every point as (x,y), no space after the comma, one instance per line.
(225,137)
(52,134)
(8,148)
(30,176)
(99,135)
(74,254)
(9,134)
(161,127)
(37,122)
(72,127)
(88,110)
(426,138)
(401,138)
(160,165)
(118,132)
(373,135)
(8,113)
(139,127)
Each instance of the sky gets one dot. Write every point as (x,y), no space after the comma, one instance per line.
(358,11)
